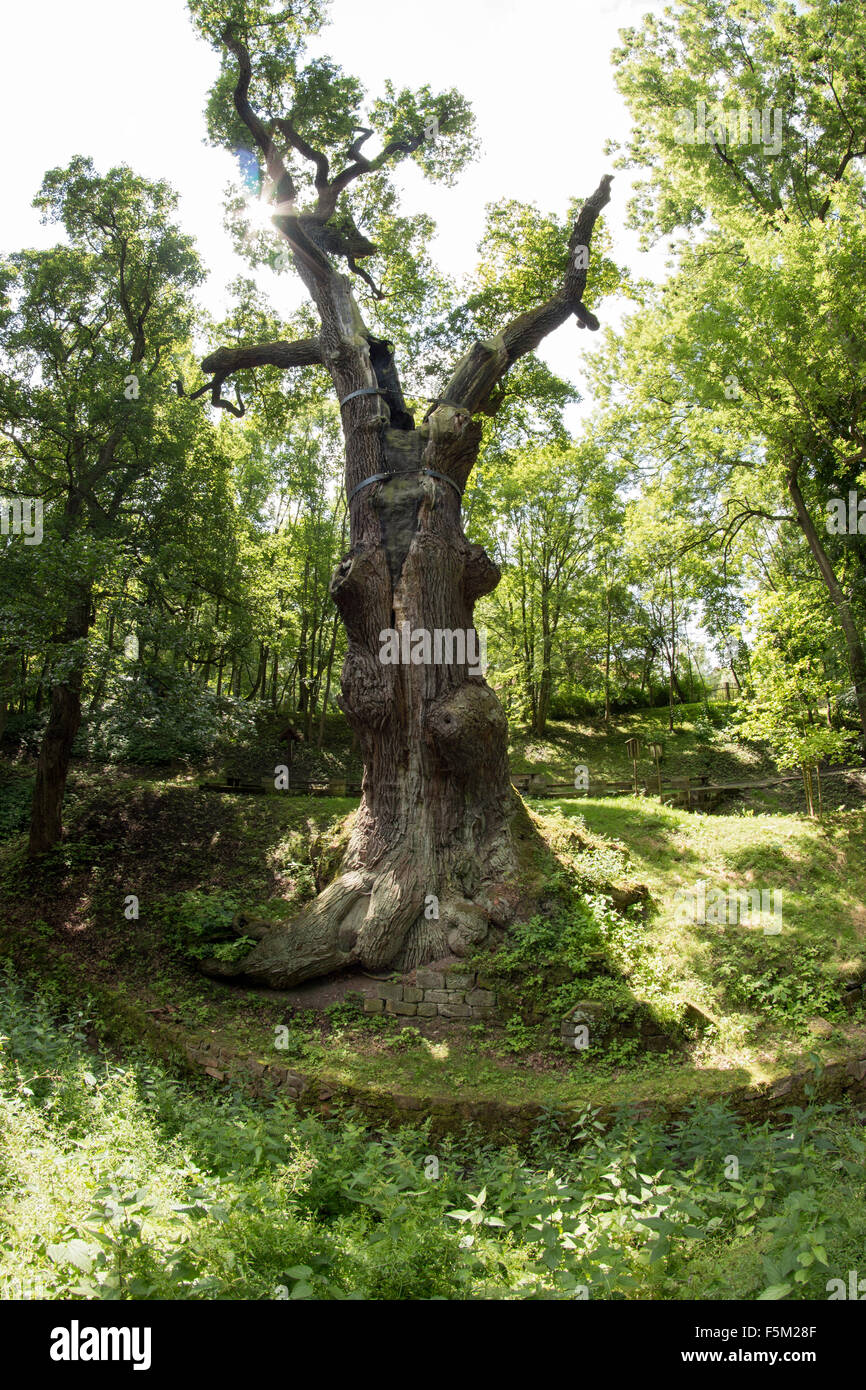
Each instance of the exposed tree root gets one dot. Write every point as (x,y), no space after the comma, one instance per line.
(391,916)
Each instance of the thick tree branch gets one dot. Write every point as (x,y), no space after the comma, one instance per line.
(298,142)
(366,166)
(355,147)
(277,171)
(306,352)
(848,156)
(524,333)
(483,367)
(298,230)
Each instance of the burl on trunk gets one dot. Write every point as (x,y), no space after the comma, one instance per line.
(434,859)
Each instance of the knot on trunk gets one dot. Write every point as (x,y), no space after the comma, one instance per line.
(480,573)
(361,588)
(468,730)
(466,923)
(367,690)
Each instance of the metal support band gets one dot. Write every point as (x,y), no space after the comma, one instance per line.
(366,391)
(383,477)
(376,478)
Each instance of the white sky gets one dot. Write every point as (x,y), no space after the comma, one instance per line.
(125,82)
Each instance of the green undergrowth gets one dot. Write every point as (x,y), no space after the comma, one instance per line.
(121,1180)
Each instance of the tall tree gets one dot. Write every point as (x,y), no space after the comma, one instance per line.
(549,517)
(86,405)
(749,368)
(433,859)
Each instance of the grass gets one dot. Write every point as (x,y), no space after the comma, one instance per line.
(819,868)
(121,1181)
(703,742)
(259,854)
(704,746)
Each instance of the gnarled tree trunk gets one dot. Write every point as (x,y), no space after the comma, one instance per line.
(432,862)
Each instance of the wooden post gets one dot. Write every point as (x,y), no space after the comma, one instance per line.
(632,748)
(656,751)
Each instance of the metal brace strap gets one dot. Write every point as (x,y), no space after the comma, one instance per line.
(366,391)
(383,477)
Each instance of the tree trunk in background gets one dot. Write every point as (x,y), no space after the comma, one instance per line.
(327,693)
(672,665)
(545,684)
(7,672)
(607,665)
(260,682)
(853,640)
(99,688)
(211,651)
(52,766)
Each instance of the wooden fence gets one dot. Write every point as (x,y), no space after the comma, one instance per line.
(683,791)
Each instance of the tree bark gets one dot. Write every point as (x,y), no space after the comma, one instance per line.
(607,661)
(432,865)
(328,674)
(853,640)
(672,658)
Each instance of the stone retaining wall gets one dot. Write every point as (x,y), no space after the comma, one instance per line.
(452,992)
(499,1118)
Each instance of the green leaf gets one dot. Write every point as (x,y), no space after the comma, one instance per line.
(74,1252)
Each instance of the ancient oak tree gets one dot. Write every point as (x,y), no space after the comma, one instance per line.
(433,863)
